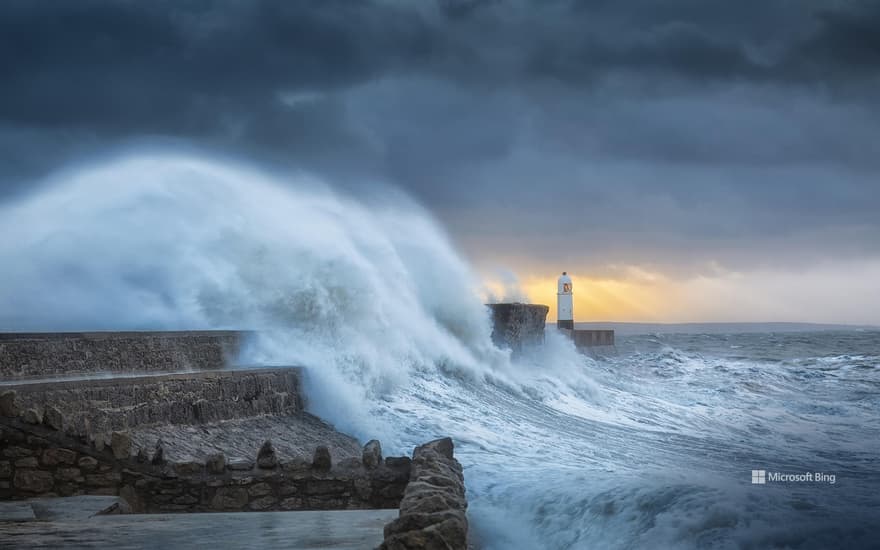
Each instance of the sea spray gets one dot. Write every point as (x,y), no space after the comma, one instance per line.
(365,295)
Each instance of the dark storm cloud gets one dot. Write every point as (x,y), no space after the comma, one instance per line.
(688,129)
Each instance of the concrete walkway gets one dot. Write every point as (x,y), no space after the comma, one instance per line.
(70,523)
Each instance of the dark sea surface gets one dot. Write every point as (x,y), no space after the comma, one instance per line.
(653,444)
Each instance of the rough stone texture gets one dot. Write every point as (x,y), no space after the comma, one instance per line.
(53,418)
(266,457)
(372,455)
(116,404)
(37,461)
(433,509)
(32,416)
(8,407)
(120,443)
(322,460)
(216,463)
(518,326)
(62,354)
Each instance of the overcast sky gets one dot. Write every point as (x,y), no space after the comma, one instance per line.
(722,145)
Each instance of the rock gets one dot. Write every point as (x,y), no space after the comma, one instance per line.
(16,452)
(398,462)
(158,454)
(98,442)
(216,463)
(350,463)
(266,457)
(7,404)
(51,457)
(27,462)
(68,474)
(229,498)
(53,418)
(142,455)
(120,443)
(32,416)
(109,479)
(372,454)
(322,460)
(5,469)
(443,446)
(259,489)
(34,481)
(240,464)
(189,468)
(296,464)
(262,503)
(433,508)
(86,463)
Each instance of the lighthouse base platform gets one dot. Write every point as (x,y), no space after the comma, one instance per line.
(589,338)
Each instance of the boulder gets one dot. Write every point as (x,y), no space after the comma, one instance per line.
(32,416)
(433,508)
(34,481)
(7,404)
(216,463)
(266,456)
(158,457)
(322,460)
(53,418)
(372,454)
(120,443)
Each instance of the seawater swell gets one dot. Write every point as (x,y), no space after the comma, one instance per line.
(658,452)
(650,447)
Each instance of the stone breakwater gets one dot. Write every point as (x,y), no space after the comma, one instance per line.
(433,509)
(47,355)
(518,326)
(101,405)
(39,459)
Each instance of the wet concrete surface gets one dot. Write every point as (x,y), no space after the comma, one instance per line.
(333,530)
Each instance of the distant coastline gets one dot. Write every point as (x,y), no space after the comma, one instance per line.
(624,329)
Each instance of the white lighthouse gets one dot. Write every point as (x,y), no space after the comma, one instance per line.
(564,306)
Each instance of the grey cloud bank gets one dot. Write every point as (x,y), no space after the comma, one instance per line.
(670,134)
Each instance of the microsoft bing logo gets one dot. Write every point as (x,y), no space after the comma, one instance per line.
(759,477)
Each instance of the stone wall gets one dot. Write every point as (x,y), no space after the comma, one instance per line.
(105,404)
(39,460)
(518,326)
(65,354)
(433,509)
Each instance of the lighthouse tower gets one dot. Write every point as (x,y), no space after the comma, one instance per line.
(564,308)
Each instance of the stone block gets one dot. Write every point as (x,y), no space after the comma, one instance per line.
(27,462)
(216,463)
(34,481)
(229,498)
(86,463)
(266,456)
(8,407)
(5,469)
(51,457)
(372,454)
(322,460)
(16,452)
(259,489)
(32,416)
(68,474)
(120,443)
(240,464)
(53,418)
(262,503)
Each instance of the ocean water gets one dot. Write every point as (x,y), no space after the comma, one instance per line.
(649,445)
(655,446)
